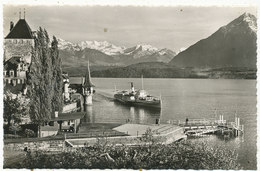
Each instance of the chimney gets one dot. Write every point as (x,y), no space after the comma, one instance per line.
(11,25)
(56,114)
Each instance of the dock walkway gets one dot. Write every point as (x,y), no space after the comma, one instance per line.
(197,127)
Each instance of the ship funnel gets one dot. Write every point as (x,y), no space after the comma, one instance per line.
(132,87)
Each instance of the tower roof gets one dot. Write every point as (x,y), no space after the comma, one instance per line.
(20,31)
(88,82)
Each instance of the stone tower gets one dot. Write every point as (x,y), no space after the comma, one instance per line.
(19,42)
(18,46)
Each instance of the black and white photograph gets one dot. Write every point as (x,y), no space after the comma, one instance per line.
(129,87)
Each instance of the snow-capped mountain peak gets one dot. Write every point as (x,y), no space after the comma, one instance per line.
(136,52)
(251,21)
(144,50)
(66,45)
(246,20)
(103,46)
(146,47)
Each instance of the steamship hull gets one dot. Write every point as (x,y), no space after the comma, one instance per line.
(127,101)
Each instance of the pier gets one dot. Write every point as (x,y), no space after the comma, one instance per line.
(200,127)
(164,133)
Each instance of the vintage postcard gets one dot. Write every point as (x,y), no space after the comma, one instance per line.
(123,86)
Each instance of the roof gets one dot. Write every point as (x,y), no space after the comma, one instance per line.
(65,76)
(20,31)
(12,63)
(69,116)
(87,82)
(14,60)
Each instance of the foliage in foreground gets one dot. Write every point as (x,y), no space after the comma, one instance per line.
(14,109)
(180,155)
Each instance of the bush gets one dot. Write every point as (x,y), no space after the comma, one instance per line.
(180,155)
(29,133)
(15,128)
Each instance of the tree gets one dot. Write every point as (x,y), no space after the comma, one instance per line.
(44,79)
(57,101)
(29,133)
(13,110)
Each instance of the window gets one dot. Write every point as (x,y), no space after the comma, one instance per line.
(14,82)
(15,41)
(11,73)
(21,41)
(4,73)
(68,122)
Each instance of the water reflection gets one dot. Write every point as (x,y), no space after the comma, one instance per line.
(140,115)
(89,117)
(114,112)
(132,113)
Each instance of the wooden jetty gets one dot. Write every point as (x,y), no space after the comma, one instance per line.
(200,127)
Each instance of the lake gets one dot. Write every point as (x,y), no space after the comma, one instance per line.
(186,98)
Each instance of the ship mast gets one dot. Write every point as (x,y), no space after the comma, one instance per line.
(142,82)
(89,72)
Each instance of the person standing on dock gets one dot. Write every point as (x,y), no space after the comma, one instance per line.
(187,120)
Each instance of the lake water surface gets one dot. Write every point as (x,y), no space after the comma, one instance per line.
(186,98)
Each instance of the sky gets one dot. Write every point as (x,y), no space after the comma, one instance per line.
(174,28)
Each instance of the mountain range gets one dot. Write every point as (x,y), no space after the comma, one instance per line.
(107,54)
